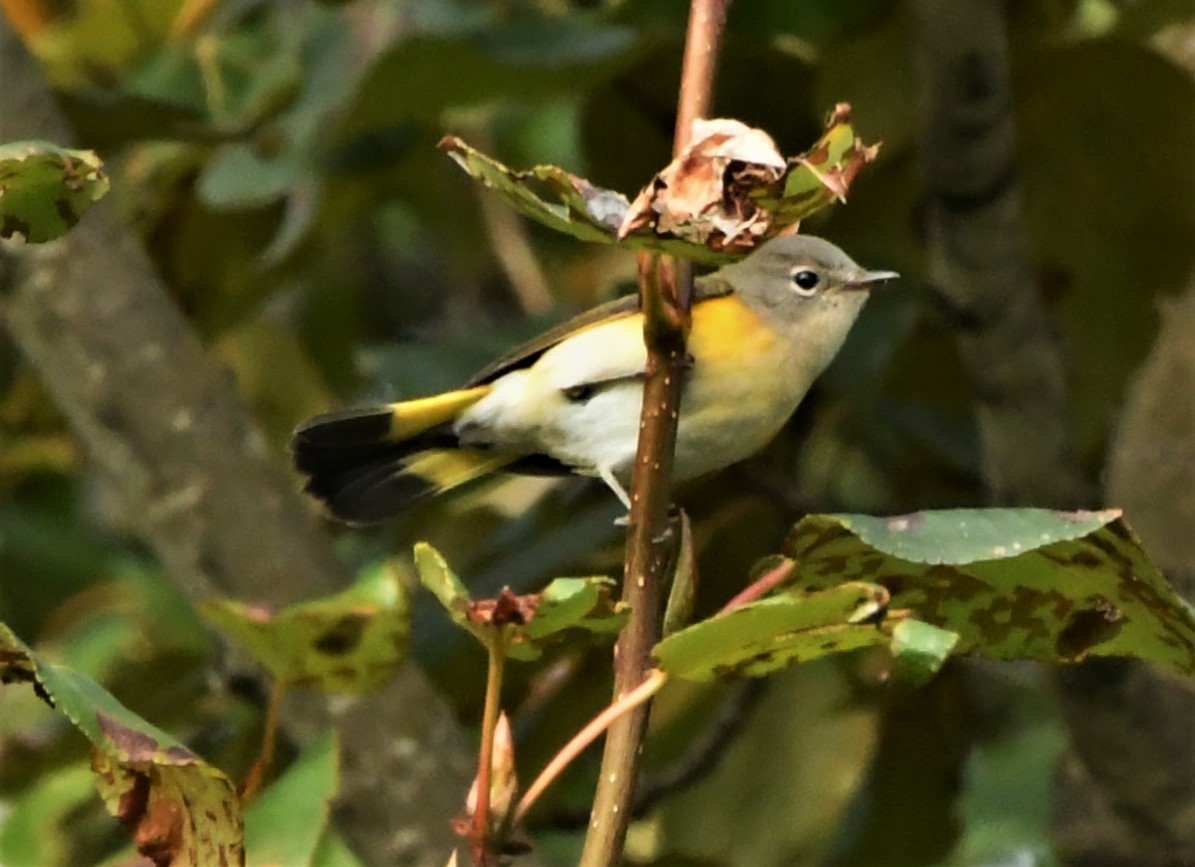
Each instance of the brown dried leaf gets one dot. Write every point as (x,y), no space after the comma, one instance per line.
(702,195)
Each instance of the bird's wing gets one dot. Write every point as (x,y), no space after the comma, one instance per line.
(526,355)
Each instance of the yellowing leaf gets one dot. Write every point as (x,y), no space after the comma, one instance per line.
(44,189)
(179,809)
(353,641)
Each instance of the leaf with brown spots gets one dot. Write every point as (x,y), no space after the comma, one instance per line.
(529,622)
(180,810)
(772,633)
(45,189)
(1012,583)
(353,641)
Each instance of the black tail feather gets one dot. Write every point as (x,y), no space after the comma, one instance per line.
(355,470)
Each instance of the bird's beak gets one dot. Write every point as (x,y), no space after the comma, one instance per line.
(869,278)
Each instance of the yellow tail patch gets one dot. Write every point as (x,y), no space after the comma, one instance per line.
(447,468)
(413,417)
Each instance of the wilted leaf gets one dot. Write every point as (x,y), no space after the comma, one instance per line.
(719,213)
(704,194)
(180,810)
(772,633)
(1012,583)
(582,210)
(44,189)
(353,641)
(285,825)
(821,175)
(529,621)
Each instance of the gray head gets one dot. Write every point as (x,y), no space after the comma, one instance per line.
(803,283)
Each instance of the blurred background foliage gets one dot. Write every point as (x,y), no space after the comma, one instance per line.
(278,160)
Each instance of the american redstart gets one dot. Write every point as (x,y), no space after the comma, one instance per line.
(568,401)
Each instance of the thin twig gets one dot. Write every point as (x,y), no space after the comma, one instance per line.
(512,247)
(666,292)
(479,844)
(699,761)
(585,737)
(762,586)
(269,740)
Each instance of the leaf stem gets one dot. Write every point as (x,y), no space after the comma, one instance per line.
(269,739)
(480,836)
(582,739)
(763,585)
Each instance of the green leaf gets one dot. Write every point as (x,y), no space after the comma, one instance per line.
(177,806)
(36,831)
(568,603)
(287,824)
(451,592)
(353,641)
(772,633)
(920,650)
(332,852)
(529,622)
(820,176)
(44,189)
(581,210)
(1013,583)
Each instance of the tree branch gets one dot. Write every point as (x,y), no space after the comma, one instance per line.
(1128,795)
(1125,795)
(979,258)
(666,292)
(167,435)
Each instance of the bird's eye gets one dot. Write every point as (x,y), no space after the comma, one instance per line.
(805,280)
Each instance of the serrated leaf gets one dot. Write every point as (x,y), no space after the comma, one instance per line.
(45,189)
(1013,583)
(820,176)
(286,825)
(179,809)
(773,633)
(353,641)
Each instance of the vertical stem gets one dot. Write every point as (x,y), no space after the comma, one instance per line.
(269,739)
(666,292)
(485,758)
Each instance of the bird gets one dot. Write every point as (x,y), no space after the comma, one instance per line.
(763,329)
